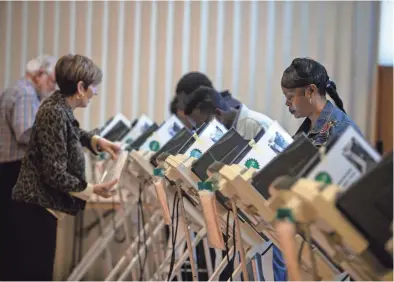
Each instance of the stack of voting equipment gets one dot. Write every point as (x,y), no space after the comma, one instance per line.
(214,189)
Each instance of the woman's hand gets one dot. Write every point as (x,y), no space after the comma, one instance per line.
(109,147)
(105,189)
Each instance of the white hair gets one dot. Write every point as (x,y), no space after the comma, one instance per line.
(44,63)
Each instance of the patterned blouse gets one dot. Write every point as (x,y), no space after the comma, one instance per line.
(54,165)
(331,123)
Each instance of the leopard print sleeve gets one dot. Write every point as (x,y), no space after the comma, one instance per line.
(86,140)
(53,140)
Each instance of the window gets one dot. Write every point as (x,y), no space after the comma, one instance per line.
(386,34)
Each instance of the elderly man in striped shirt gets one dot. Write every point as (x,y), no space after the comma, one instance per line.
(18,106)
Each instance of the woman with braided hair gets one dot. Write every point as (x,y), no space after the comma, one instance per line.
(305,84)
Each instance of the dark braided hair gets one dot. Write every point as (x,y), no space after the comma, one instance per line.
(305,71)
(174,105)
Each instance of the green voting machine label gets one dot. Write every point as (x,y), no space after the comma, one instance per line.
(323,177)
(195,153)
(252,163)
(154,146)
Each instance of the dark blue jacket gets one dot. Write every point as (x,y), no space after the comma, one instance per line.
(331,123)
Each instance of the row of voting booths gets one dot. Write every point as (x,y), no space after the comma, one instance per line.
(209,202)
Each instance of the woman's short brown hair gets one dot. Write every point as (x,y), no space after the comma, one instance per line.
(71,69)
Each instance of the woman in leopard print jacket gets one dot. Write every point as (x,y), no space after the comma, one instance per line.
(52,181)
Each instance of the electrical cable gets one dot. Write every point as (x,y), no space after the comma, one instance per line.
(300,251)
(235,247)
(226,243)
(141,220)
(139,239)
(144,232)
(266,250)
(231,262)
(174,233)
(146,247)
(100,227)
(172,237)
(117,230)
(346,277)
(96,222)
(176,225)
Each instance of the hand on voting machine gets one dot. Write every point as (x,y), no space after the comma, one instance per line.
(119,129)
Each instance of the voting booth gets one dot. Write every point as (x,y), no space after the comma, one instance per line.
(210,204)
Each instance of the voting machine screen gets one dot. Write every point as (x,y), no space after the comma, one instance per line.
(173,146)
(225,150)
(138,127)
(116,128)
(142,138)
(290,162)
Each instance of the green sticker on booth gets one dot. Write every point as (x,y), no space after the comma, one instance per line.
(154,146)
(205,185)
(158,172)
(323,177)
(252,163)
(195,153)
(129,140)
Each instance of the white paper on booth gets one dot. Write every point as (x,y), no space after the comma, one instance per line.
(161,136)
(350,157)
(209,136)
(274,141)
(113,168)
